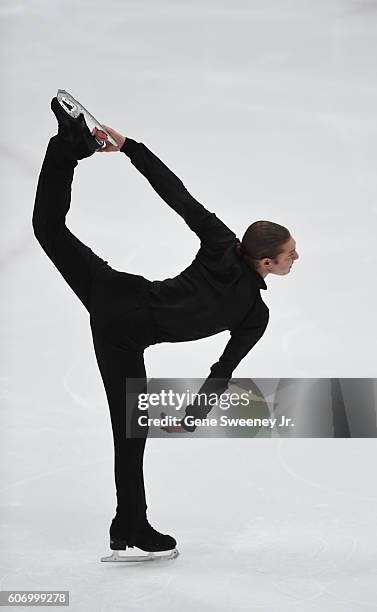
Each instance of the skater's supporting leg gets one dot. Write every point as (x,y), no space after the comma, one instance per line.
(115,365)
(75,261)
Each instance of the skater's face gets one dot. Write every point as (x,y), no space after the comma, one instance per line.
(283,263)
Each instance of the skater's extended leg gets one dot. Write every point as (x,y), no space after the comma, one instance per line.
(76,262)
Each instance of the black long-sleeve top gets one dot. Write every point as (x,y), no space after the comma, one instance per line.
(218,291)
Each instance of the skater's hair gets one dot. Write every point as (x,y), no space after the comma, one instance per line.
(262,239)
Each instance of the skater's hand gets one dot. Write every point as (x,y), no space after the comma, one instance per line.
(172,428)
(99,134)
(119,139)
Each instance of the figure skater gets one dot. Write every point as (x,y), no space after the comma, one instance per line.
(219,290)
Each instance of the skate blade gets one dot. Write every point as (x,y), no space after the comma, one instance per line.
(151,556)
(74,108)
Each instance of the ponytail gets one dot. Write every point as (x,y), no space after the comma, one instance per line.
(239,250)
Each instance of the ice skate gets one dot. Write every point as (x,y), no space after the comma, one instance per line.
(74,109)
(158,546)
(75,132)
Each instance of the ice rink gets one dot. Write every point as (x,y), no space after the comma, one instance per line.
(266,109)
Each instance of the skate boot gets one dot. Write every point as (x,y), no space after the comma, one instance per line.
(147,539)
(75,132)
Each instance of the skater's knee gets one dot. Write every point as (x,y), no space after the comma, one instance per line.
(39,229)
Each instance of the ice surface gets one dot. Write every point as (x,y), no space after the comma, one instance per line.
(266,110)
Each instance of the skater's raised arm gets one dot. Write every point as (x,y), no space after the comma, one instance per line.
(170,188)
(241,342)
(210,229)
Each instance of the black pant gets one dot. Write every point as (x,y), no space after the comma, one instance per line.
(119,318)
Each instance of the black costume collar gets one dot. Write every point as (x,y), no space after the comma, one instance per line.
(260,280)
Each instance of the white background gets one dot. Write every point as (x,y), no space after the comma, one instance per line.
(266,110)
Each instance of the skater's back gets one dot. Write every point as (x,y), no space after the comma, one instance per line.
(218,291)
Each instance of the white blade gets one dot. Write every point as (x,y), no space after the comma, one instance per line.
(74,108)
(151,556)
